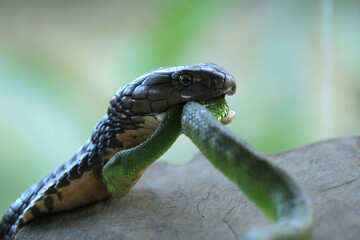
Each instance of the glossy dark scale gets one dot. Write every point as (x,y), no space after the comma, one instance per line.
(131,119)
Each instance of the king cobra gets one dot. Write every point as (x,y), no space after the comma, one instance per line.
(143,120)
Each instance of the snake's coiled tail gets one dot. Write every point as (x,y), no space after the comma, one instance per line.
(44,198)
(12,219)
(69,186)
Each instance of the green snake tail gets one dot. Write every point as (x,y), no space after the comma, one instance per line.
(270,188)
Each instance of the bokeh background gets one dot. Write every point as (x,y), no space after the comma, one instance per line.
(297,65)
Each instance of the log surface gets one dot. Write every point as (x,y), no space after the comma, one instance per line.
(195,201)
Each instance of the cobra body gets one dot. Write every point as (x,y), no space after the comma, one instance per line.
(133,115)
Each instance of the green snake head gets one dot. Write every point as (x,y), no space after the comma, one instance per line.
(162,88)
(220,109)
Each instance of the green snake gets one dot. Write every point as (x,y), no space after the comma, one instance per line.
(143,120)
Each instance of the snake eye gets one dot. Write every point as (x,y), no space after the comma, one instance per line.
(185,79)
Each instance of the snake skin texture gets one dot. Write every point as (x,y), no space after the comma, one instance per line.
(131,118)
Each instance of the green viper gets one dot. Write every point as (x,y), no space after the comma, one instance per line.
(144,119)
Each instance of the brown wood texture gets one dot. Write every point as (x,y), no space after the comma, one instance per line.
(195,201)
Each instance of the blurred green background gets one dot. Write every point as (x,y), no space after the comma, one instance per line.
(296,65)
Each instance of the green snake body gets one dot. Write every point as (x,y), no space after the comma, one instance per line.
(120,165)
(274,192)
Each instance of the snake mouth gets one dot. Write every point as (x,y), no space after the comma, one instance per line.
(220,109)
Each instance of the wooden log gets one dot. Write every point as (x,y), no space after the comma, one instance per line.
(195,201)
